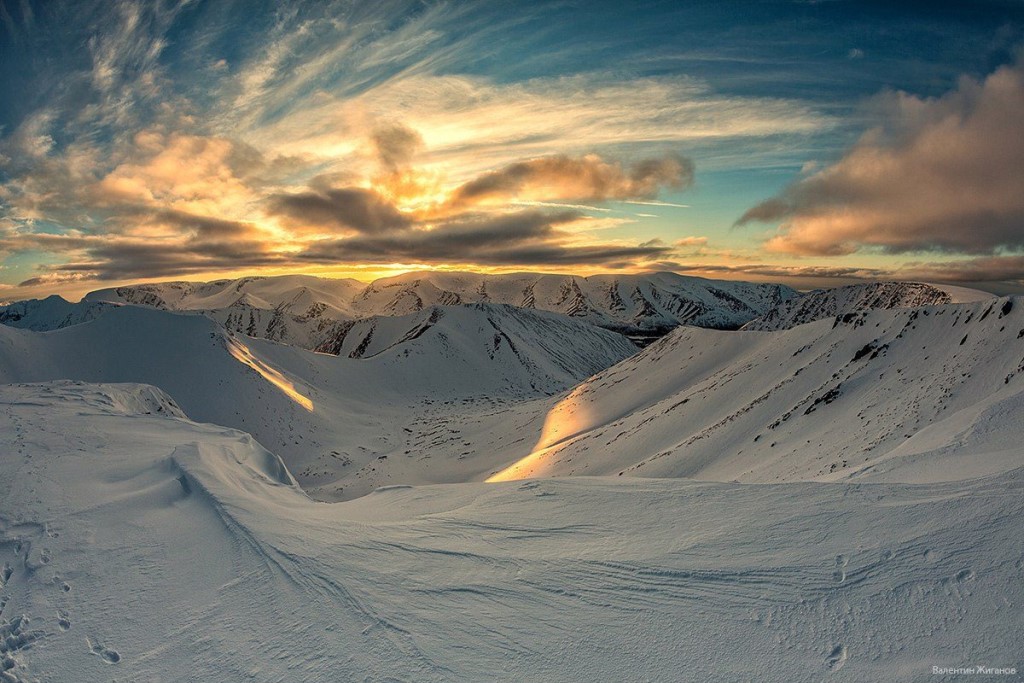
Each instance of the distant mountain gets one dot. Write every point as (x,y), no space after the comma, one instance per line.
(631,303)
(50,313)
(305,310)
(828,303)
(932,393)
(296,294)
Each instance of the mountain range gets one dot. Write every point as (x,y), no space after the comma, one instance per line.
(311,312)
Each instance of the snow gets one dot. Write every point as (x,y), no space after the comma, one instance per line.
(312,312)
(828,303)
(50,313)
(833,501)
(138,545)
(879,391)
(475,392)
(961,295)
(333,418)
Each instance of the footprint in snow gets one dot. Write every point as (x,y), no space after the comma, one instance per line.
(837,658)
(965,575)
(107,654)
(839,575)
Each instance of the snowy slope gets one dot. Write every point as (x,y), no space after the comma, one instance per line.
(309,311)
(329,417)
(828,303)
(904,394)
(139,547)
(51,313)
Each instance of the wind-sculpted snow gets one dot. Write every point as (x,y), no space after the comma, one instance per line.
(828,303)
(139,547)
(311,312)
(905,395)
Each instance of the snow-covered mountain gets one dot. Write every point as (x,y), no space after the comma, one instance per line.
(136,545)
(293,293)
(330,418)
(307,311)
(51,313)
(904,394)
(828,303)
(647,302)
(459,393)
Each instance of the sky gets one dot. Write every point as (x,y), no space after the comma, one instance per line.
(811,143)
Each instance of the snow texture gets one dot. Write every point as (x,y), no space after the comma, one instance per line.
(136,545)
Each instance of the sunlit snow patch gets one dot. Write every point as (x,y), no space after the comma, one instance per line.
(243,354)
(563,423)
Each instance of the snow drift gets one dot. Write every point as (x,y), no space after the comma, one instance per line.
(137,545)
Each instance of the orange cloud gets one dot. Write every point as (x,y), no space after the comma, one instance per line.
(943,175)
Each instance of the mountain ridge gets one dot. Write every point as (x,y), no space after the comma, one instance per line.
(826,303)
(830,399)
(308,310)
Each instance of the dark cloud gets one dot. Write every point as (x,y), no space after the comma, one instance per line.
(1007,268)
(587,178)
(456,241)
(396,145)
(353,208)
(205,227)
(943,175)
(777,271)
(971,271)
(111,257)
(525,238)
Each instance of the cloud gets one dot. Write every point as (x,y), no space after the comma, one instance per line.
(181,244)
(586,178)
(352,208)
(943,175)
(206,227)
(1002,269)
(471,125)
(1005,268)
(523,238)
(396,145)
(782,271)
(164,140)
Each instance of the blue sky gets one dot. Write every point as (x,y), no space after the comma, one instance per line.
(805,142)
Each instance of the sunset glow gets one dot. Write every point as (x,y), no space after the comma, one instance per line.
(143,142)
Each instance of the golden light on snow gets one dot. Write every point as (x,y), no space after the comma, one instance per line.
(563,424)
(242,353)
